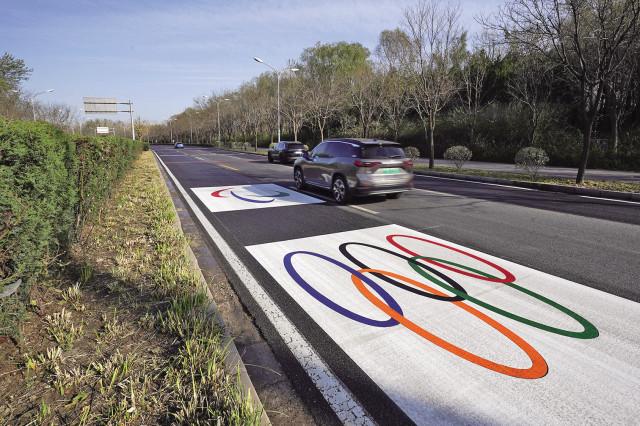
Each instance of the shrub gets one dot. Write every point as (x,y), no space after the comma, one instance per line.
(146,146)
(458,154)
(412,152)
(531,159)
(48,183)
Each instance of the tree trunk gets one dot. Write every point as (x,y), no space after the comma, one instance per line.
(612,111)
(586,147)
(432,126)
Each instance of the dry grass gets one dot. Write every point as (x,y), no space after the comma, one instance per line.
(121,335)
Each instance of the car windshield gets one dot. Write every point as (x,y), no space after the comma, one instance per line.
(295,146)
(382,151)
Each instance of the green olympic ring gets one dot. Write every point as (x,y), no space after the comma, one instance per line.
(589,332)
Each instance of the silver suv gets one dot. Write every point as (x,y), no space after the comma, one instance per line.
(354,167)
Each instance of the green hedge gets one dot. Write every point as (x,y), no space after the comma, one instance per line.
(49,182)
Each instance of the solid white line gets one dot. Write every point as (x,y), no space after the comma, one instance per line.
(342,402)
(435,192)
(611,199)
(477,183)
(363,209)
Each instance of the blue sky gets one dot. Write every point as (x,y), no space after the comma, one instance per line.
(162,54)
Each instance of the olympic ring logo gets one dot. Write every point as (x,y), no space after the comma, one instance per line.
(426,266)
(278,194)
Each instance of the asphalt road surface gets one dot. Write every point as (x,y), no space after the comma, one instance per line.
(461,302)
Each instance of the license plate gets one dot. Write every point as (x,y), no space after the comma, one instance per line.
(391,171)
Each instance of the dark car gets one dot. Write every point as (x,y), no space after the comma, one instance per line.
(285,152)
(354,167)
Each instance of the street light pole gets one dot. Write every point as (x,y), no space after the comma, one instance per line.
(33,101)
(277,72)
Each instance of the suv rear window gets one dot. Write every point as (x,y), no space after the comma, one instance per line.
(382,151)
(295,146)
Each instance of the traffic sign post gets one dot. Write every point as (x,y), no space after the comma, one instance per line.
(94,105)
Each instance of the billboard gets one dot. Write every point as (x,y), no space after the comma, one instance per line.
(102,130)
(93,105)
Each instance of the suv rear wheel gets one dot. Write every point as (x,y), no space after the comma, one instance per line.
(270,158)
(340,190)
(395,195)
(298,177)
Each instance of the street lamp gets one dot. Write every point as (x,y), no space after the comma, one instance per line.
(33,101)
(277,72)
(218,110)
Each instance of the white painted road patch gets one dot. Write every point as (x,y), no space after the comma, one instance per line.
(524,347)
(247,197)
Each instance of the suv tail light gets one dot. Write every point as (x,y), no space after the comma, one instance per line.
(360,163)
(407,164)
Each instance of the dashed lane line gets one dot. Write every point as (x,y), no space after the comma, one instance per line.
(363,209)
(228,167)
(342,402)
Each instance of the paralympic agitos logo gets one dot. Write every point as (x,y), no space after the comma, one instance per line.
(250,197)
(438,274)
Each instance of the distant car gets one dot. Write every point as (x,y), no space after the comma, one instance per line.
(355,167)
(285,152)
(178,145)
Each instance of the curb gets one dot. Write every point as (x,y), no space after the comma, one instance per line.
(617,195)
(233,361)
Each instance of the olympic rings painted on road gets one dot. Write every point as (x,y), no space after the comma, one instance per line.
(387,304)
(538,366)
(589,330)
(278,194)
(508,276)
(412,289)
(331,304)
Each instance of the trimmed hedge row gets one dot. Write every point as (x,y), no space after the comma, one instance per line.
(49,182)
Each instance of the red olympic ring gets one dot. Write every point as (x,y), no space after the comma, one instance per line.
(508,276)
(538,368)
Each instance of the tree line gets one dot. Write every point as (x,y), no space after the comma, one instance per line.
(560,75)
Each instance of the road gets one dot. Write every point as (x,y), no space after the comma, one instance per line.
(551,280)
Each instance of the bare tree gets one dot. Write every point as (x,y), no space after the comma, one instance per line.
(392,52)
(588,39)
(621,95)
(474,68)
(435,44)
(294,106)
(366,93)
(530,85)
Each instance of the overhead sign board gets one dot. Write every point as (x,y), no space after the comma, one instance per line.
(102,130)
(93,105)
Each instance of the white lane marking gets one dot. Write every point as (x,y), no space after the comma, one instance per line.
(444,194)
(199,158)
(611,199)
(364,209)
(477,183)
(340,399)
